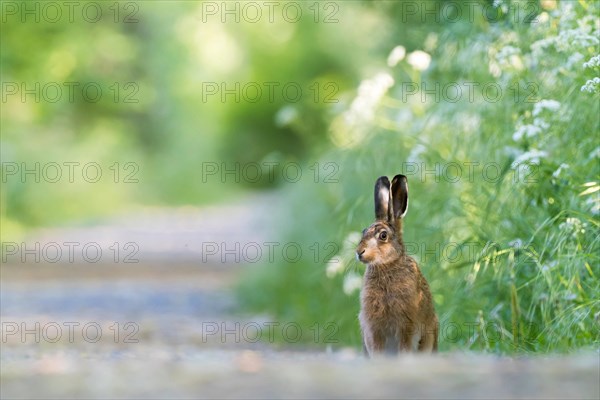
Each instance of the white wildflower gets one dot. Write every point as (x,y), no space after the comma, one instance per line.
(339,262)
(543,17)
(593,202)
(512,151)
(516,243)
(469,122)
(568,40)
(532,156)
(419,60)
(574,59)
(351,240)
(549,266)
(593,62)
(570,296)
(516,62)
(589,23)
(541,123)
(370,92)
(575,38)
(352,283)
(501,4)
(592,85)
(334,266)
(550,105)
(431,42)
(397,54)
(572,226)
(285,116)
(494,69)
(415,154)
(509,57)
(567,13)
(404,116)
(526,131)
(561,167)
(541,45)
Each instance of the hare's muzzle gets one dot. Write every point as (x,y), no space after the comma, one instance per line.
(359,254)
(360,251)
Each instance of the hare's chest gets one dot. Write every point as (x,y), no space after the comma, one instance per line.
(383,305)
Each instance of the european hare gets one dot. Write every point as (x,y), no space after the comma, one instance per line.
(397,313)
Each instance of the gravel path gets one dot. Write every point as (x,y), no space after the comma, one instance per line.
(191,372)
(169,352)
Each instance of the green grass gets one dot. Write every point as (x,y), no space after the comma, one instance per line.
(530,279)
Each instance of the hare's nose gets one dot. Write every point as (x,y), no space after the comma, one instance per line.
(359,254)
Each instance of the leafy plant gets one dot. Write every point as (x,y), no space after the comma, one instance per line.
(504,179)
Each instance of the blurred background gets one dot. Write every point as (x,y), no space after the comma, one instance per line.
(221,157)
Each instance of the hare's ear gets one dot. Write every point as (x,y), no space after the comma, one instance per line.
(382,199)
(399,196)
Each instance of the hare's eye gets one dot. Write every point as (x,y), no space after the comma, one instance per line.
(383,235)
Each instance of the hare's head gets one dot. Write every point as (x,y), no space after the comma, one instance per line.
(381,242)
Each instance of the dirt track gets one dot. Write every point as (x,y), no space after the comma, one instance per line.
(172,358)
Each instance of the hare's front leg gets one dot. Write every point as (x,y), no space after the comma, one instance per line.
(429,340)
(406,339)
(373,341)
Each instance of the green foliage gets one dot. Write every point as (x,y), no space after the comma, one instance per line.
(510,245)
(504,204)
(152,60)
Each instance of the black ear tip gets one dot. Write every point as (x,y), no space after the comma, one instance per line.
(400,178)
(383,179)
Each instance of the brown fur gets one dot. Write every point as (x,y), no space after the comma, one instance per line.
(397,312)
